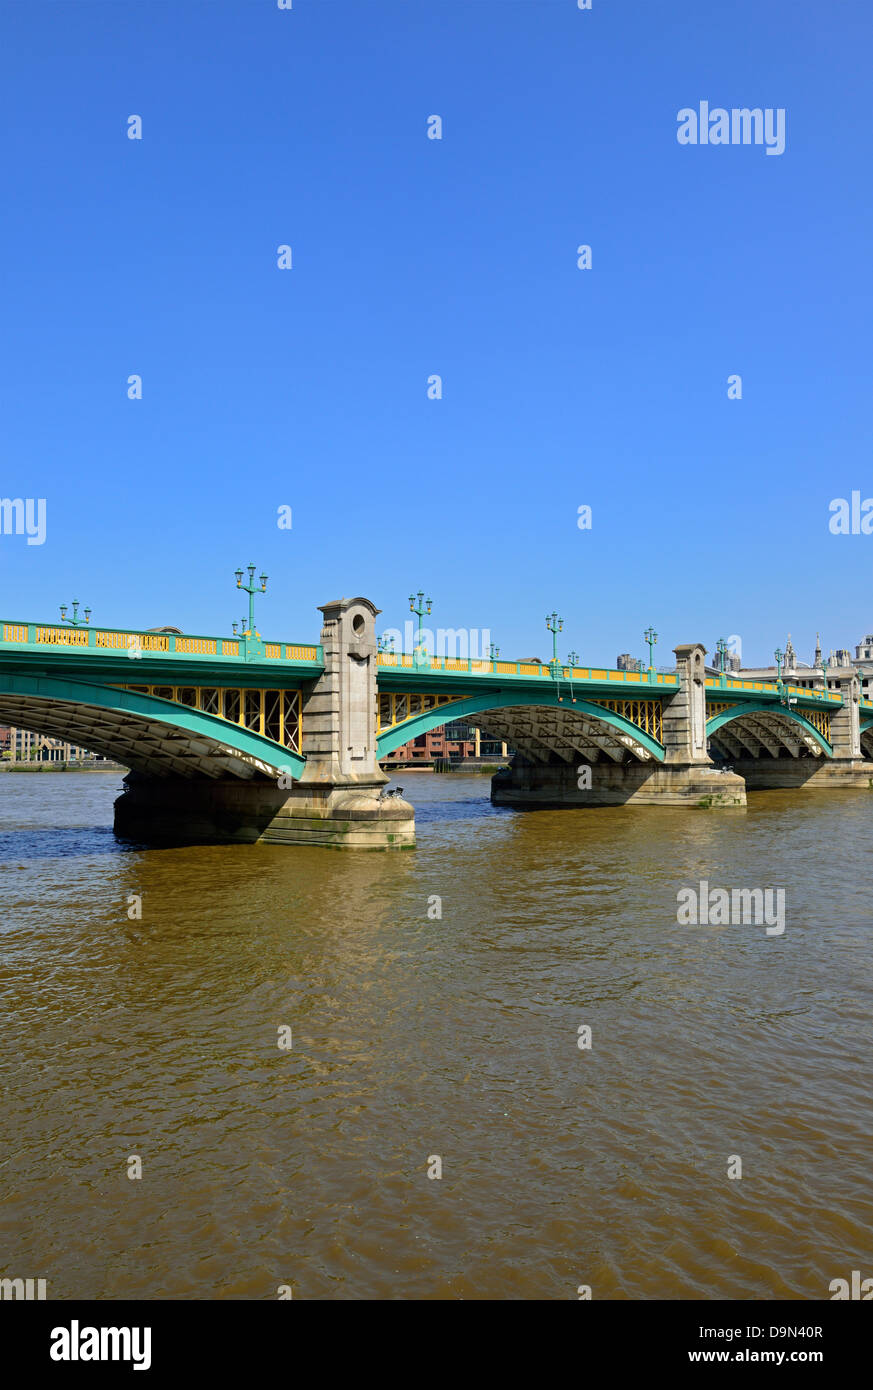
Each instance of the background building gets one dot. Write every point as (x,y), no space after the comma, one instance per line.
(841,667)
(24,746)
(451,743)
(625,662)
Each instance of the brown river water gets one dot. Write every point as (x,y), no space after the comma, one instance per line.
(415,1036)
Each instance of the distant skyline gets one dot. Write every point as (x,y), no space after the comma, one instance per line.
(312,388)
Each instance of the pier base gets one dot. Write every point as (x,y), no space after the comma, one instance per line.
(529,785)
(226,811)
(763,774)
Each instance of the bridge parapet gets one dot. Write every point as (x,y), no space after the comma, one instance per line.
(455,666)
(664,683)
(813,694)
(27,637)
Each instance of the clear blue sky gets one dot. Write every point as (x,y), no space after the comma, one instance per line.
(562,387)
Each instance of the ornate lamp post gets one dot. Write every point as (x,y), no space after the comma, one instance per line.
(419,613)
(650,636)
(251,589)
(555,625)
(779,654)
(572,661)
(75,621)
(385,646)
(824,666)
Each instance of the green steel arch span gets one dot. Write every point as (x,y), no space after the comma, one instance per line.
(625,734)
(144,732)
(768,718)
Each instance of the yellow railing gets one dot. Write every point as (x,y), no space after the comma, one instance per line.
(772,686)
(132,641)
(62,636)
(197,646)
(55,635)
(461,665)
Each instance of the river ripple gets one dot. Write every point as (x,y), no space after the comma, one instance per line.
(414,1036)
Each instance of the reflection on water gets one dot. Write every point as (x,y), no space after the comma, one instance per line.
(416,1036)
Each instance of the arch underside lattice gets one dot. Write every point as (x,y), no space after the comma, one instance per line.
(544,733)
(150,746)
(766,735)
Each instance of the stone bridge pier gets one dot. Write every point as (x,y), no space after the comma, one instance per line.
(619,774)
(338,800)
(784,767)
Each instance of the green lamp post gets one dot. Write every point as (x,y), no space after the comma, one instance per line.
(555,625)
(651,636)
(779,654)
(493,654)
(75,621)
(251,589)
(572,661)
(419,612)
(385,646)
(824,666)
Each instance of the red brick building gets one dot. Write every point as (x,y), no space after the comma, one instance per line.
(449,743)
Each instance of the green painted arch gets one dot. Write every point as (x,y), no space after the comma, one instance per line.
(418,724)
(866,725)
(156,710)
(779,711)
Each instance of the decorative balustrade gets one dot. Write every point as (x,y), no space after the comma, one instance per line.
(15,634)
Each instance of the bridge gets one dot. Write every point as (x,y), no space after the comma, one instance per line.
(243,738)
